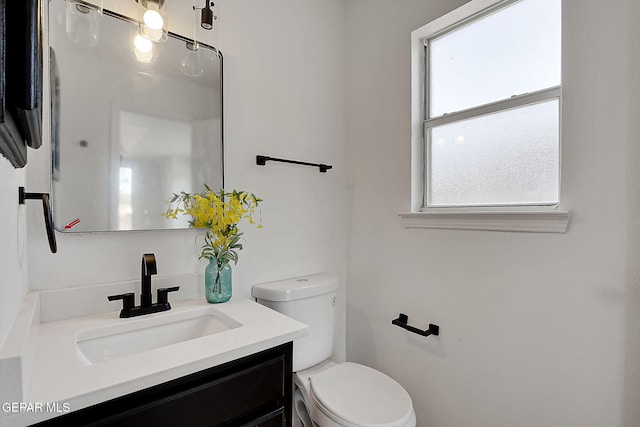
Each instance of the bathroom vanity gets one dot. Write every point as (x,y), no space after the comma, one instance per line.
(196,364)
(252,391)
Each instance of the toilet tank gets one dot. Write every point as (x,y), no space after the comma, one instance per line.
(310,300)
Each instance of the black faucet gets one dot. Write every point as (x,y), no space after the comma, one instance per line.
(146,271)
(146,305)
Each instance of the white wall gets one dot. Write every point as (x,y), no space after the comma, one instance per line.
(13,246)
(284,85)
(536,329)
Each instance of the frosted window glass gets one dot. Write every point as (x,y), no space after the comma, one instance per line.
(513,51)
(510,157)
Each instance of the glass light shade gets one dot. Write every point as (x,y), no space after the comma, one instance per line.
(152,18)
(191,64)
(142,44)
(83,22)
(154,21)
(142,49)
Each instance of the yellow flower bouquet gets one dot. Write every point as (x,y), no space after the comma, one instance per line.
(220,213)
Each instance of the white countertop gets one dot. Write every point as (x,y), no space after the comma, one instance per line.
(57,375)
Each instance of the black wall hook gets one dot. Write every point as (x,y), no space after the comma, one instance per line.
(402,322)
(48,217)
(262,160)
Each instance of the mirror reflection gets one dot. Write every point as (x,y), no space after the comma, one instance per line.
(132,122)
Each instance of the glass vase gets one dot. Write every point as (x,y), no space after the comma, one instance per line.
(217,282)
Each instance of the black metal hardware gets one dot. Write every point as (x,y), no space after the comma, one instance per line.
(128,300)
(163,297)
(206,16)
(130,310)
(146,305)
(262,160)
(147,270)
(48,218)
(403,319)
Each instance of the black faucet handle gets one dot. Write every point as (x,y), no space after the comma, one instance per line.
(128,300)
(163,297)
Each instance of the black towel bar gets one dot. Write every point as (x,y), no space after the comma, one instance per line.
(262,160)
(403,319)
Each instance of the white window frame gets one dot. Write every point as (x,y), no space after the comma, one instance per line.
(534,218)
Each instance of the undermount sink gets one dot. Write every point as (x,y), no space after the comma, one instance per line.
(130,337)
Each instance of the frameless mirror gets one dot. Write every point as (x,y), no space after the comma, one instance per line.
(132,123)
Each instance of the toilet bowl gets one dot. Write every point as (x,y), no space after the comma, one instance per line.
(350,394)
(327,393)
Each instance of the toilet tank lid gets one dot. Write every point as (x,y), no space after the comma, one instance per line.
(296,288)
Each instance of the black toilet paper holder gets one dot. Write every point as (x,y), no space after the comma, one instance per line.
(403,319)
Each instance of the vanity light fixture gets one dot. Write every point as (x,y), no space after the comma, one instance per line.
(190,64)
(83,21)
(142,48)
(154,20)
(142,44)
(207,17)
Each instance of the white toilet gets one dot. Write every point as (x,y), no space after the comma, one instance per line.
(330,394)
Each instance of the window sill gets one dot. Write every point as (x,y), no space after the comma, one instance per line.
(544,221)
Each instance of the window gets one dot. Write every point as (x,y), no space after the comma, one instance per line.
(487,91)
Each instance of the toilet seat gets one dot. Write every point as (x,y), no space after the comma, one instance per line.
(354,395)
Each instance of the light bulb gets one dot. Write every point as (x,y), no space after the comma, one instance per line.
(152,18)
(144,57)
(142,44)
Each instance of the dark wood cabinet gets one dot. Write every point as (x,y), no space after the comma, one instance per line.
(274,419)
(254,391)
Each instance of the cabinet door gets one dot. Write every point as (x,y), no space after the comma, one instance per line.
(212,403)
